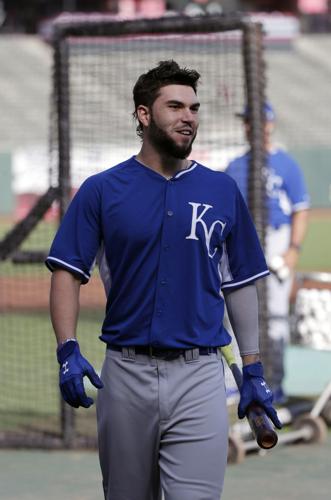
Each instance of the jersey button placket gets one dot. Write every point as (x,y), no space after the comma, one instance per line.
(159,320)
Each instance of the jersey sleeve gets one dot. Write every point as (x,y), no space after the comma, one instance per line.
(296,188)
(78,238)
(238,169)
(242,260)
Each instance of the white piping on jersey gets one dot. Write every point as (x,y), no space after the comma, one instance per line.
(264,273)
(224,266)
(303,205)
(104,269)
(69,266)
(182,172)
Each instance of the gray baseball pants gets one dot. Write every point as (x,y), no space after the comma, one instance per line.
(162,425)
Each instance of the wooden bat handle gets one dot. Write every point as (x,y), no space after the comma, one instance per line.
(263,431)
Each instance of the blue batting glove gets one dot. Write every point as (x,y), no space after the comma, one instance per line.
(73,367)
(254,389)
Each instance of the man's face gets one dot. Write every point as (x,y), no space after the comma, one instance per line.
(173,121)
(267,133)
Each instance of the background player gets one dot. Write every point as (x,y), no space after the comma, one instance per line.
(169,233)
(287,203)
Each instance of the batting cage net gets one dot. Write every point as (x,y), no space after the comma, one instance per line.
(97,61)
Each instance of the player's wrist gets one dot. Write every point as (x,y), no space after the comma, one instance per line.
(295,246)
(249,359)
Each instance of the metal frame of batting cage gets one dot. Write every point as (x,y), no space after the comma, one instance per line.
(101,26)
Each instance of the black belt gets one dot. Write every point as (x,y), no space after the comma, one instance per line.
(163,353)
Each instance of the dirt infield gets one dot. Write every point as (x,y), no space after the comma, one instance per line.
(319,213)
(32,293)
(19,293)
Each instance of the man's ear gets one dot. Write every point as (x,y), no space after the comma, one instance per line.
(143,115)
(270,127)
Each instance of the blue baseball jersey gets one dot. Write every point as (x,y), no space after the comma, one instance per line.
(165,248)
(286,189)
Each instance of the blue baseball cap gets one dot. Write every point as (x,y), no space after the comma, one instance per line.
(268,110)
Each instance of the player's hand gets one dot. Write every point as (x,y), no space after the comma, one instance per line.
(254,389)
(73,367)
(291,257)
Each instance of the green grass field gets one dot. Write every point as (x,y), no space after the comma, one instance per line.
(29,398)
(40,239)
(316,252)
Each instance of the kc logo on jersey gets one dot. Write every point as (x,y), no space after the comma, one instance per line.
(197,218)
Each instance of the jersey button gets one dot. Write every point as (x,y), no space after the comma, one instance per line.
(159,312)
(166,247)
(170,213)
(163,282)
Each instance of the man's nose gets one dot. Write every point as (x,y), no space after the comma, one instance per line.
(188,116)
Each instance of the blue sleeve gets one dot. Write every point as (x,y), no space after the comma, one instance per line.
(232,169)
(242,260)
(79,236)
(238,170)
(296,187)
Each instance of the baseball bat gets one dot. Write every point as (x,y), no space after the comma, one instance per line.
(262,428)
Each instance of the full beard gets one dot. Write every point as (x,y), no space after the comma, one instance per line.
(165,145)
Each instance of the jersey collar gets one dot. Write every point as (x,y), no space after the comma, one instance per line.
(190,168)
(177,175)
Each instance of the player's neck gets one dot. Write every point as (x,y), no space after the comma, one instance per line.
(167,166)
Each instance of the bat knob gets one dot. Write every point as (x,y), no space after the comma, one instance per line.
(268,440)
(263,430)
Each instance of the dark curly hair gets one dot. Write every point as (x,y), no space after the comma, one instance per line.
(148,85)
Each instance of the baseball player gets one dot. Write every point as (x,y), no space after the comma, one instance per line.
(287,203)
(168,234)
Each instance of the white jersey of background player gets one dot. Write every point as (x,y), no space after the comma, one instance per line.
(287,202)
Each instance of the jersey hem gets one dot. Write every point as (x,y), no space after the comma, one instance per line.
(300,206)
(61,263)
(251,278)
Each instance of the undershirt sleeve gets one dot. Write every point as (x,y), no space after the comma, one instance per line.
(242,308)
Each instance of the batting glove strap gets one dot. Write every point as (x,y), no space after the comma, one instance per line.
(253,370)
(66,349)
